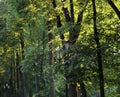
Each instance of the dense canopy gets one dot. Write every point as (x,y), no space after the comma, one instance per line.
(59,48)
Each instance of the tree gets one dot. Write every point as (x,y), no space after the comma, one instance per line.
(99,56)
(73,33)
(85,31)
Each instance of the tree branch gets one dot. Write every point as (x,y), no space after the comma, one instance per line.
(58,21)
(114,8)
(59,24)
(66,13)
(54,3)
(72,10)
(74,33)
(79,19)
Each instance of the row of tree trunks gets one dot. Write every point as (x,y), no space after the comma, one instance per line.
(15,75)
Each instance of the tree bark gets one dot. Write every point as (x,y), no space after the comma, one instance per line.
(99,55)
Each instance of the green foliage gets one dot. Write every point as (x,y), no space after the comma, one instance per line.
(29,20)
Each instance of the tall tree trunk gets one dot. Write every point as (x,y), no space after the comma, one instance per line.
(24,85)
(83,89)
(42,64)
(51,62)
(72,90)
(11,80)
(23,73)
(17,70)
(36,86)
(20,73)
(14,74)
(114,8)
(99,56)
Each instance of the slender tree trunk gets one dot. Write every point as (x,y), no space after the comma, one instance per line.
(114,8)
(72,92)
(36,86)
(14,75)
(17,70)
(24,85)
(11,80)
(42,64)
(51,62)
(23,73)
(99,56)
(20,73)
